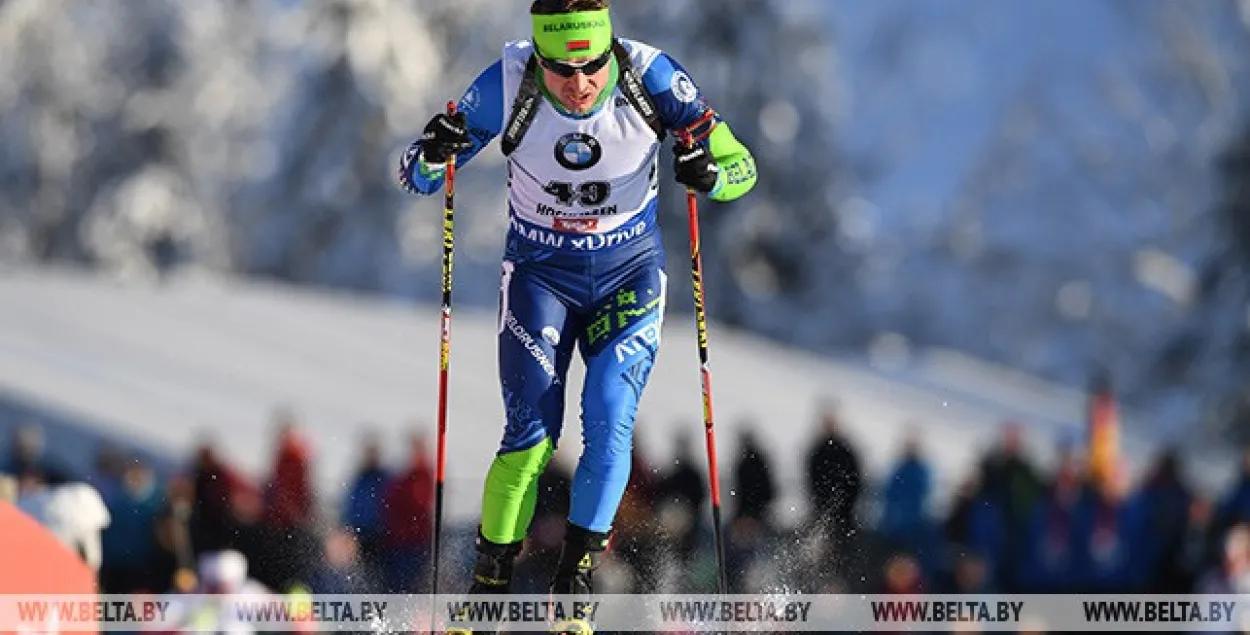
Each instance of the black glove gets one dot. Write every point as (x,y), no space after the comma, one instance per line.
(444,137)
(694,167)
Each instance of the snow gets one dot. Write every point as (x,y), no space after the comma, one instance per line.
(161,365)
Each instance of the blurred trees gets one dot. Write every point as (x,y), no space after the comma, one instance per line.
(1230,274)
(773,254)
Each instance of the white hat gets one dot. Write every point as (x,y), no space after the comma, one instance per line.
(75,513)
(226,570)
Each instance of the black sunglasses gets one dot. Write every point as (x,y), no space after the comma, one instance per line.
(568,70)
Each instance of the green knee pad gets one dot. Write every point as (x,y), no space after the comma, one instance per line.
(511,493)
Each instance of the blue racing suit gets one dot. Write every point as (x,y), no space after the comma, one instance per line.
(583,268)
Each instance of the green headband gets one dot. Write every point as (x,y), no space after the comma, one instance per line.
(568,35)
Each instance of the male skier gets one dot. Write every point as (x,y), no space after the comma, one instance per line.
(582,114)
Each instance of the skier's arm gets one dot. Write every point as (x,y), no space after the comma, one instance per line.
(683,109)
(483,108)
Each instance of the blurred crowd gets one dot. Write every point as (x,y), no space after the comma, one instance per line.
(1012,526)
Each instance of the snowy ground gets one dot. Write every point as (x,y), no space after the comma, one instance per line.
(158,366)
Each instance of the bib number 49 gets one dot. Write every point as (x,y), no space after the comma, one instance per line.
(588,194)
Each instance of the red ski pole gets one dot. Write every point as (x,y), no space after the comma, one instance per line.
(700,316)
(443,360)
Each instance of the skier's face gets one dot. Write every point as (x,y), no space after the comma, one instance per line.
(578,92)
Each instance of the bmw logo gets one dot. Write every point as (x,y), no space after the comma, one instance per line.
(578,151)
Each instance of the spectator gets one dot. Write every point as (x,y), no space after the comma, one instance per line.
(29,463)
(971,576)
(175,559)
(1012,485)
(904,520)
(683,482)
(902,575)
(110,466)
(1196,548)
(74,513)
(289,494)
(833,478)
(1235,508)
(129,542)
(219,492)
(1164,504)
(1109,558)
(1010,479)
(339,570)
(408,516)
(684,489)
(748,541)
(362,511)
(223,572)
(226,572)
(975,526)
(1048,549)
(1231,576)
(286,532)
(754,487)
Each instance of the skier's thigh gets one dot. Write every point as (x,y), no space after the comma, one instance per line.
(536,338)
(620,345)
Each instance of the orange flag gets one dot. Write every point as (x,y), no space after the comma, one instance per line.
(1104,432)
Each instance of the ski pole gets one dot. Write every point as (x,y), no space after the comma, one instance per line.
(443,358)
(700,316)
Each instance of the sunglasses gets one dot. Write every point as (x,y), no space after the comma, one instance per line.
(568,70)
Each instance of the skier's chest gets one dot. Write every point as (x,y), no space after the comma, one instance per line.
(613,142)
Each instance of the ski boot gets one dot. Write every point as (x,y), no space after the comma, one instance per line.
(581,556)
(492,575)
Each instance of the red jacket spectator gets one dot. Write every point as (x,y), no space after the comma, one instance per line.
(289,496)
(408,504)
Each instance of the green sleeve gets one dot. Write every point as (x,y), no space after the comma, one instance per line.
(737,166)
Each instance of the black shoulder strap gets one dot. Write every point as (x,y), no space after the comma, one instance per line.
(635,91)
(525,106)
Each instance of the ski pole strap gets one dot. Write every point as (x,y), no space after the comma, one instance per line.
(699,130)
(525,105)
